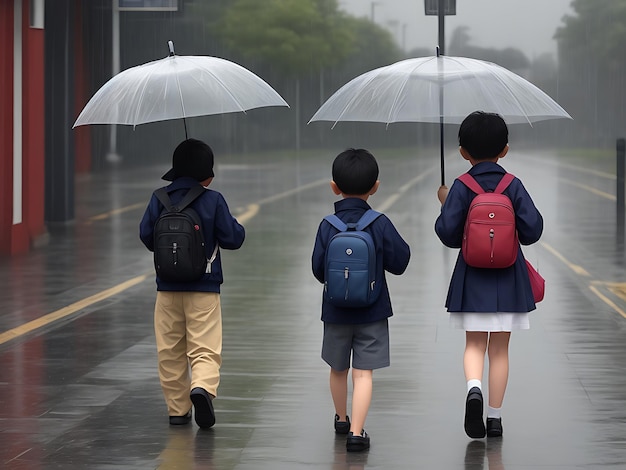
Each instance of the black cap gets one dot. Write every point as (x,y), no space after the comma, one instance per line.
(192,158)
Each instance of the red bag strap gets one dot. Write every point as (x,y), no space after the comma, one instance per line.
(504,183)
(469,181)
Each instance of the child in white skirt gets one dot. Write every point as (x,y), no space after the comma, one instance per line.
(487,303)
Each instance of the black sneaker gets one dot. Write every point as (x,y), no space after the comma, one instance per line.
(342,427)
(205,415)
(474,424)
(180,420)
(358,443)
(494,427)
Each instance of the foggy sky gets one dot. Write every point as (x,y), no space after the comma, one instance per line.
(524,24)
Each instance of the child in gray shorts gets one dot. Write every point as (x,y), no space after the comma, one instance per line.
(360,333)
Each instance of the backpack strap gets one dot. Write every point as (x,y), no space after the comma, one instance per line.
(193,194)
(469,181)
(504,183)
(209,261)
(336,222)
(366,219)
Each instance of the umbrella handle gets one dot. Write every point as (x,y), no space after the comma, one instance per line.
(170,45)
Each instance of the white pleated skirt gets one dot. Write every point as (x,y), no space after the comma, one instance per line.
(491,322)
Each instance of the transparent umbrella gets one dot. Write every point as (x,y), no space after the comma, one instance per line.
(177,87)
(438,89)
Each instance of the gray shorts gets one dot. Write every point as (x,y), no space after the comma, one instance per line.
(368,343)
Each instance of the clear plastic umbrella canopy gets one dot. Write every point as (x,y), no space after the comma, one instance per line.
(438,89)
(177,87)
(432,89)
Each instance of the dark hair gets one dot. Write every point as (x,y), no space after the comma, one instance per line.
(355,171)
(483,135)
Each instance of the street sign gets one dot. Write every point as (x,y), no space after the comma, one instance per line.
(431,7)
(148,5)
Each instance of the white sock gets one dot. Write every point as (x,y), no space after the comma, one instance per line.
(494,412)
(474,383)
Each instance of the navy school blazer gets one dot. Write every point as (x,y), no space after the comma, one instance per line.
(218,225)
(392,255)
(488,290)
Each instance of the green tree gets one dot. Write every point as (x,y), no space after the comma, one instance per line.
(374,47)
(598,28)
(592,68)
(509,58)
(305,48)
(294,36)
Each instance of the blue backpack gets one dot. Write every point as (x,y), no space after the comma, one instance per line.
(350,269)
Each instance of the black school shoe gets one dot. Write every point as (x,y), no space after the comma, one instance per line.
(205,415)
(474,424)
(342,427)
(180,420)
(358,443)
(494,427)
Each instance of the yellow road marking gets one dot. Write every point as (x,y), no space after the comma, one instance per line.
(295,190)
(578,168)
(617,288)
(404,188)
(121,210)
(589,188)
(275,197)
(574,267)
(69,310)
(607,301)
(249,212)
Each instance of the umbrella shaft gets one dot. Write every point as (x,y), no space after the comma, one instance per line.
(443,178)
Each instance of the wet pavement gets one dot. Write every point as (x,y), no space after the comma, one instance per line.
(79,385)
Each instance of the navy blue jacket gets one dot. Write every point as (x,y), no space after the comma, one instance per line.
(392,254)
(218,225)
(489,290)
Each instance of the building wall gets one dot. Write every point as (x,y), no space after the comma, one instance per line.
(6,124)
(33,130)
(21,129)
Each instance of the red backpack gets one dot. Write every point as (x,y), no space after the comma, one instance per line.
(489,237)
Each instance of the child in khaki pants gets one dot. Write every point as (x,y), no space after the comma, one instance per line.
(187,315)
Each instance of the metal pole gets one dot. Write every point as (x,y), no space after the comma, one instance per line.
(441,128)
(620,189)
(113,156)
(442,35)
(372,6)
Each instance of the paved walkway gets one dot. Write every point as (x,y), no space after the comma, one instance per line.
(79,387)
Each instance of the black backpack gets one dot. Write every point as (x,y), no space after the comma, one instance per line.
(179,248)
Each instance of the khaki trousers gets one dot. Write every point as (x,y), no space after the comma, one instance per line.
(188,329)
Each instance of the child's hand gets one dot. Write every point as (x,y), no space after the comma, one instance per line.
(442,193)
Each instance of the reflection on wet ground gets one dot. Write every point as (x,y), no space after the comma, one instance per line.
(79,389)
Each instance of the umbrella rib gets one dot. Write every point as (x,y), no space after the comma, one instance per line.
(223,87)
(180,95)
(508,88)
(354,98)
(142,91)
(408,76)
